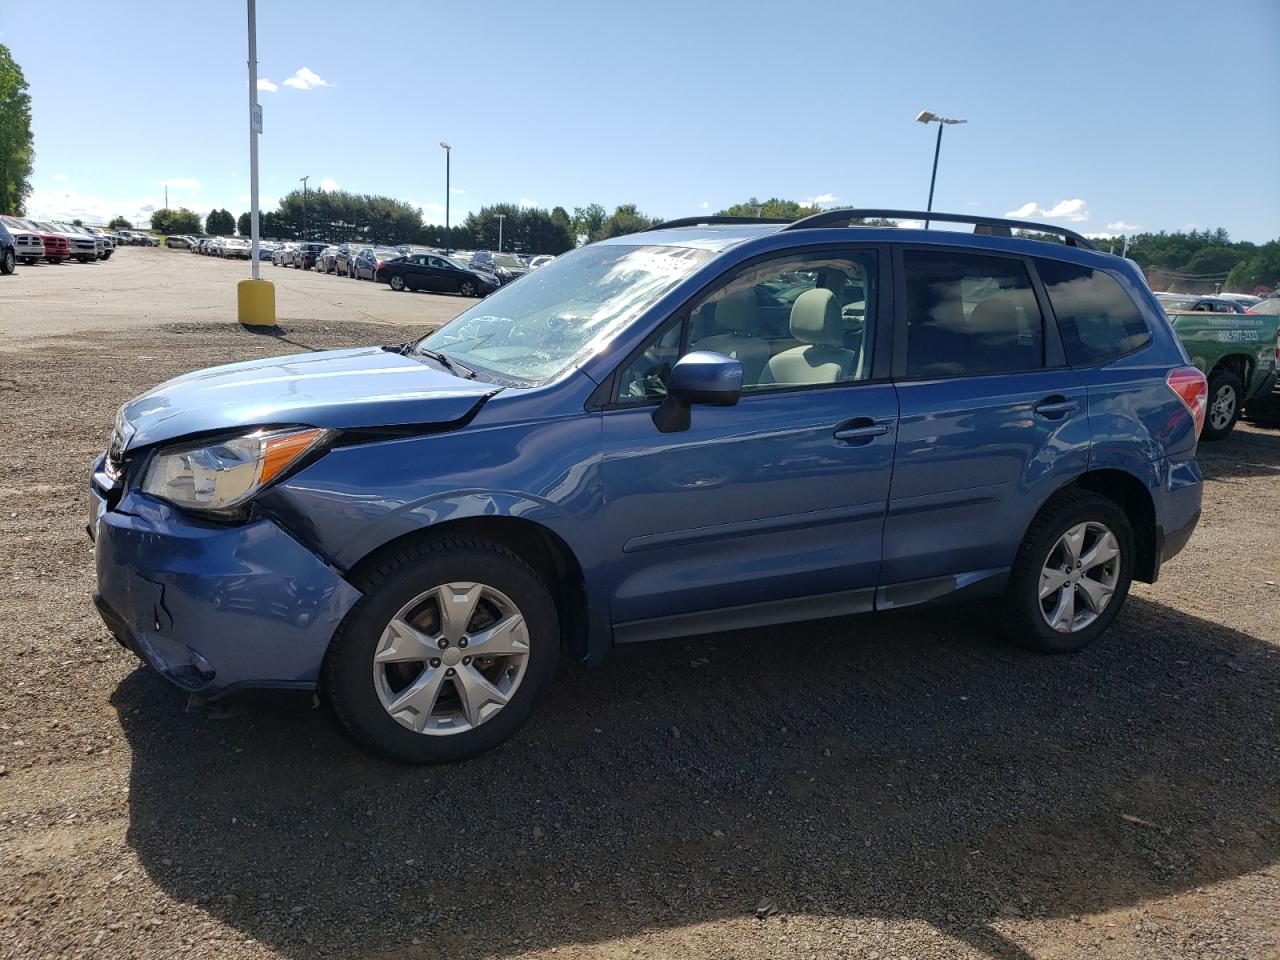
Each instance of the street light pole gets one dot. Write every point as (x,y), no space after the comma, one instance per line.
(501,217)
(253,141)
(255,297)
(448,155)
(304,204)
(926,117)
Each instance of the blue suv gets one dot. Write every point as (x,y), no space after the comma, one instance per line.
(709,426)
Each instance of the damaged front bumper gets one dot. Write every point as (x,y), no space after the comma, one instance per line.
(212,607)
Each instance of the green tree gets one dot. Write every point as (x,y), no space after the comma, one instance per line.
(179,221)
(77,222)
(220,223)
(626,219)
(524,230)
(588,221)
(773,208)
(119,223)
(16,149)
(1261,272)
(244,224)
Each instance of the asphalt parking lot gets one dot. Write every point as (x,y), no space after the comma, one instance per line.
(145,286)
(895,787)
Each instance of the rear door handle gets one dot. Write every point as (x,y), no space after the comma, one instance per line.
(868,432)
(1056,407)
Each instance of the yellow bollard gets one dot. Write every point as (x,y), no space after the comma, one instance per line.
(256,302)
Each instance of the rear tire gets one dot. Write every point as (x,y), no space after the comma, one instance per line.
(1046,577)
(397,283)
(357,683)
(1226,394)
(8,263)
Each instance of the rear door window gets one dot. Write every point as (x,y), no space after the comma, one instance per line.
(969,315)
(1097,319)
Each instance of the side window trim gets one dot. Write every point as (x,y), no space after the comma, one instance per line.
(900,324)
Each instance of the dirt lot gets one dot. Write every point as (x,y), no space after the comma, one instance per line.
(896,787)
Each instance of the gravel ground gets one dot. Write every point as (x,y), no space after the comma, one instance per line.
(893,787)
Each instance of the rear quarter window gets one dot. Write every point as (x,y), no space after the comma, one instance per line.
(1097,319)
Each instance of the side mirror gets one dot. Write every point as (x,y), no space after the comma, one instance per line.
(698,377)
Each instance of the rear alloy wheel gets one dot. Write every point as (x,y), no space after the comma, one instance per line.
(1072,573)
(467,288)
(446,654)
(8,262)
(1225,391)
(397,282)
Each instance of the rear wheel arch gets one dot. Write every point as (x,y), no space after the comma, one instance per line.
(550,557)
(1237,363)
(1132,496)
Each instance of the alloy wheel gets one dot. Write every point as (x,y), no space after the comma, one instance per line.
(397,282)
(451,658)
(467,289)
(1079,577)
(1223,408)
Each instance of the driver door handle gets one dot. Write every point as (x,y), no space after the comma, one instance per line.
(860,430)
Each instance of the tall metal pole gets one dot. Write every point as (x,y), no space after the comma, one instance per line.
(501,217)
(304,205)
(253,140)
(937,148)
(448,156)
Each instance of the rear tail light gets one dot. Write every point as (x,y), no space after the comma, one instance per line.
(1190,386)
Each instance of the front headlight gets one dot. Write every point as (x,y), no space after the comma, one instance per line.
(223,475)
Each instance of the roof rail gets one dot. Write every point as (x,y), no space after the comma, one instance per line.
(990,226)
(706,221)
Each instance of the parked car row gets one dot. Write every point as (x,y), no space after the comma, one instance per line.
(30,241)
(406,267)
(134,238)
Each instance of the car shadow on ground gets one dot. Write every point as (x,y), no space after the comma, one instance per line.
(1249,451)
(901,767)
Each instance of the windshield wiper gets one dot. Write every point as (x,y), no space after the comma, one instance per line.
(453,366)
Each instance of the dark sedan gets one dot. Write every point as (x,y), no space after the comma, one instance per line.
(304,258)
(370,259)
(437,274)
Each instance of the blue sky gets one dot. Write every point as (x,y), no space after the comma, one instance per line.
(1154,115)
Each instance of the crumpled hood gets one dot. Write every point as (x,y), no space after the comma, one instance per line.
(363,387)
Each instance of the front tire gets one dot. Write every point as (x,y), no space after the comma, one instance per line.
(467,288)
(407,672)
(1072,573)
(1225,395)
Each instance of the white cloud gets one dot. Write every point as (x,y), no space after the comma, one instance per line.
(1124,227)
(180,183)
(62,177)
(67,204)
(1074,210)
(1102,235)
(266,86)
(911,224)
(456,190)
(526,202)
(328,183)
(821,200)
(706,204)
(305,79)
